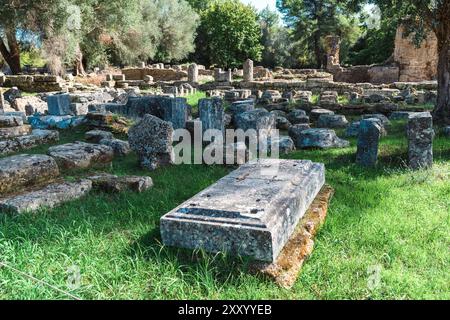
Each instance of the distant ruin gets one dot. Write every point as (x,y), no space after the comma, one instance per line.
(409,63)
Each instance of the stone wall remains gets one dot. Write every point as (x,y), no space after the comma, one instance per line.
(416,64)
(157,74)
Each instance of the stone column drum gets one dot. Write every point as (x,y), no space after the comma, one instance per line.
(420,140)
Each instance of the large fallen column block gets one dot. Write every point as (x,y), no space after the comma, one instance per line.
(47,197)
(251,212)
(24,170)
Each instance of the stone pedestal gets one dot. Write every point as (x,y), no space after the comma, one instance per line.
(212,114)
(251,212)
(420,140)
(193,73)
(248,70)
(368,140)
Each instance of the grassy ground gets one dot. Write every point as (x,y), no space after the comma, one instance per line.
(387,218)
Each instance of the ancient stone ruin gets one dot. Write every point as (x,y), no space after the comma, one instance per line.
(251,212)
(420,140)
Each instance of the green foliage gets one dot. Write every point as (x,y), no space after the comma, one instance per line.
(178,23)
(313,20)
(377,43)
(375,47)
(276,40)
(229,33)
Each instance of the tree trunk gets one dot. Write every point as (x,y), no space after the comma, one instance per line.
(79,68)
(12,52)
(442,110)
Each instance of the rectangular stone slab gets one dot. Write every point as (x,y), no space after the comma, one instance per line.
(251,212)
(47,197)
(11,132)
(18,172)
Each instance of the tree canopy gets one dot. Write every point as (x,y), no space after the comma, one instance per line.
(228,34)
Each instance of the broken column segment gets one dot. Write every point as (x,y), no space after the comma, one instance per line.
(193,73)
(251,212)
(248,70)
(368,140)
(420,140)
(151,139)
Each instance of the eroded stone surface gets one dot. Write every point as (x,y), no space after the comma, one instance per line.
(286,269)
(151,139)
(59,105)
(81,155)
(11,132)
(10,121)
(112,183)
(120,147)
(368,140)
(420,140)
(251,212)
(332,121)
(24,170)
(95,136)
(47,197)
(212,114)
(316,113)
(298,116)
(258,119)
(319,138)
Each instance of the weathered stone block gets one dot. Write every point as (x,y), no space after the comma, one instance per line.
(10,121)
(81,155)
(368,140)
(212,114)
(12,132)
(24,170)
(298,116)
(258,119)
(251,212)
(120,147)
(248,70)
(95,136)
(332,121)
(193,73)
(59,105)
(112,183)
(37,137)
(151,139)
(420,140)
(173,110)
(319,138)
(316,113)
(48,197)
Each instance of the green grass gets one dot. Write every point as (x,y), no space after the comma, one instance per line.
(387,216)
(193,99)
